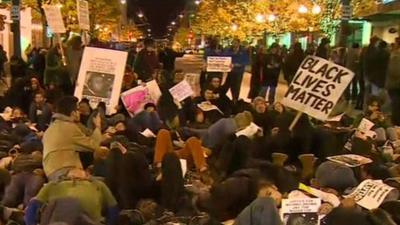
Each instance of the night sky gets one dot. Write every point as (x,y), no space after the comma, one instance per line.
(159,13)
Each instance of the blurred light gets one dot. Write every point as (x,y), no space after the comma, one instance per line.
(271,18)
(260,18)
(173,23)
(234,27)
(148,30)
(170,29)
(192,15)
(303,9)
(180,15)
(316,9)
(97,26)
(140,15)
(197,2)
(123,2)
(59,5)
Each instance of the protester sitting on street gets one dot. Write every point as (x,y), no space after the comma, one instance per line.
(40,112)
(64,139)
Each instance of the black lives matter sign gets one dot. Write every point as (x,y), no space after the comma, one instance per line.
(317,87)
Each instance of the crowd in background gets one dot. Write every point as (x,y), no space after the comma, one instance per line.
(64,161)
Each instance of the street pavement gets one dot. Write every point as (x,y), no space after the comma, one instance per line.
(194,64)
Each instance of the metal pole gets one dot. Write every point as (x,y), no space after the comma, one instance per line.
(344,26)
(16,29)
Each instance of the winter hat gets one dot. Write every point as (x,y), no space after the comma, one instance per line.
(333,175)
(243,119)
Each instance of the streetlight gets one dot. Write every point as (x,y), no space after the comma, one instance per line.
(260,18)
(173,23)
(197,2)
(140,15)
(316,9)
(303,9)
(180,15)
(234,27)
(123,2)
(271,18)
(148,30)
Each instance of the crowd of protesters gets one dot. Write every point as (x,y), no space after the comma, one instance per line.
(64,161)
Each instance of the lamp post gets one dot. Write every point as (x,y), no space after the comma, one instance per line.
(344,23)
(16,29)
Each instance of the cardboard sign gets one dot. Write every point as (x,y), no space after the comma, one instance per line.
(365,125)
(181,91)
(370,193)
(83,14)
(207,106)
(317,86)
(54,18)
(350,160)
(100,77)
(219,64)
(303,211)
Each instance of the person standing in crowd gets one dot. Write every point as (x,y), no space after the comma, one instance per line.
(3,60)
(323,49)
(293,61)
(64,139)
(146,62)
(393,83)
(167,58)
(240,59)
(74,57)
(355,91)
(372,67)
(272,69)
(213,49)
(18,68)
(54,67)
(257,68)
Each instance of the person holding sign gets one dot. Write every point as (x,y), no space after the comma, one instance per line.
(240,59)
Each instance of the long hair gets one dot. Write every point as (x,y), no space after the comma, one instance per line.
(172,185)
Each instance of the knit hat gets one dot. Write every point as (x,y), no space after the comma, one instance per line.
(334,175)
(243,119)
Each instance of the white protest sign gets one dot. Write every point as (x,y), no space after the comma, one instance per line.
(183,166)
(365,125)
(206,106)
(305,210)
(325,196)
(83,14)
(154,90)
(370,193)
(100,77)
(54,18)
(249,131)
(219,64)
(181,91)
(350,160)
(316,87)
(148,133)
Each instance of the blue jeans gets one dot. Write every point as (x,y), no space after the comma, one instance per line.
(22,188)
(271,94)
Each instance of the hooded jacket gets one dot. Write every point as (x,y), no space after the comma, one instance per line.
(63,141)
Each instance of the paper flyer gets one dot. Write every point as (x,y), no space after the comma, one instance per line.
(350,160)
(300,211)
(181,91)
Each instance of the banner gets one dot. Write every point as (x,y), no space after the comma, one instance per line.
(100,77)
(300,211)
(317,86)
(370,193)
(54,18)
(219,64)
(136,98)
(83,14)
(350,160)
(181,91)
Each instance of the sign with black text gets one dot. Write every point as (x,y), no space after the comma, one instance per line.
(219,64)
(83,14)
(317,86)
(54,18)
(300,211)
(100,77)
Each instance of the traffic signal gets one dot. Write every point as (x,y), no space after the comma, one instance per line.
(2,22)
